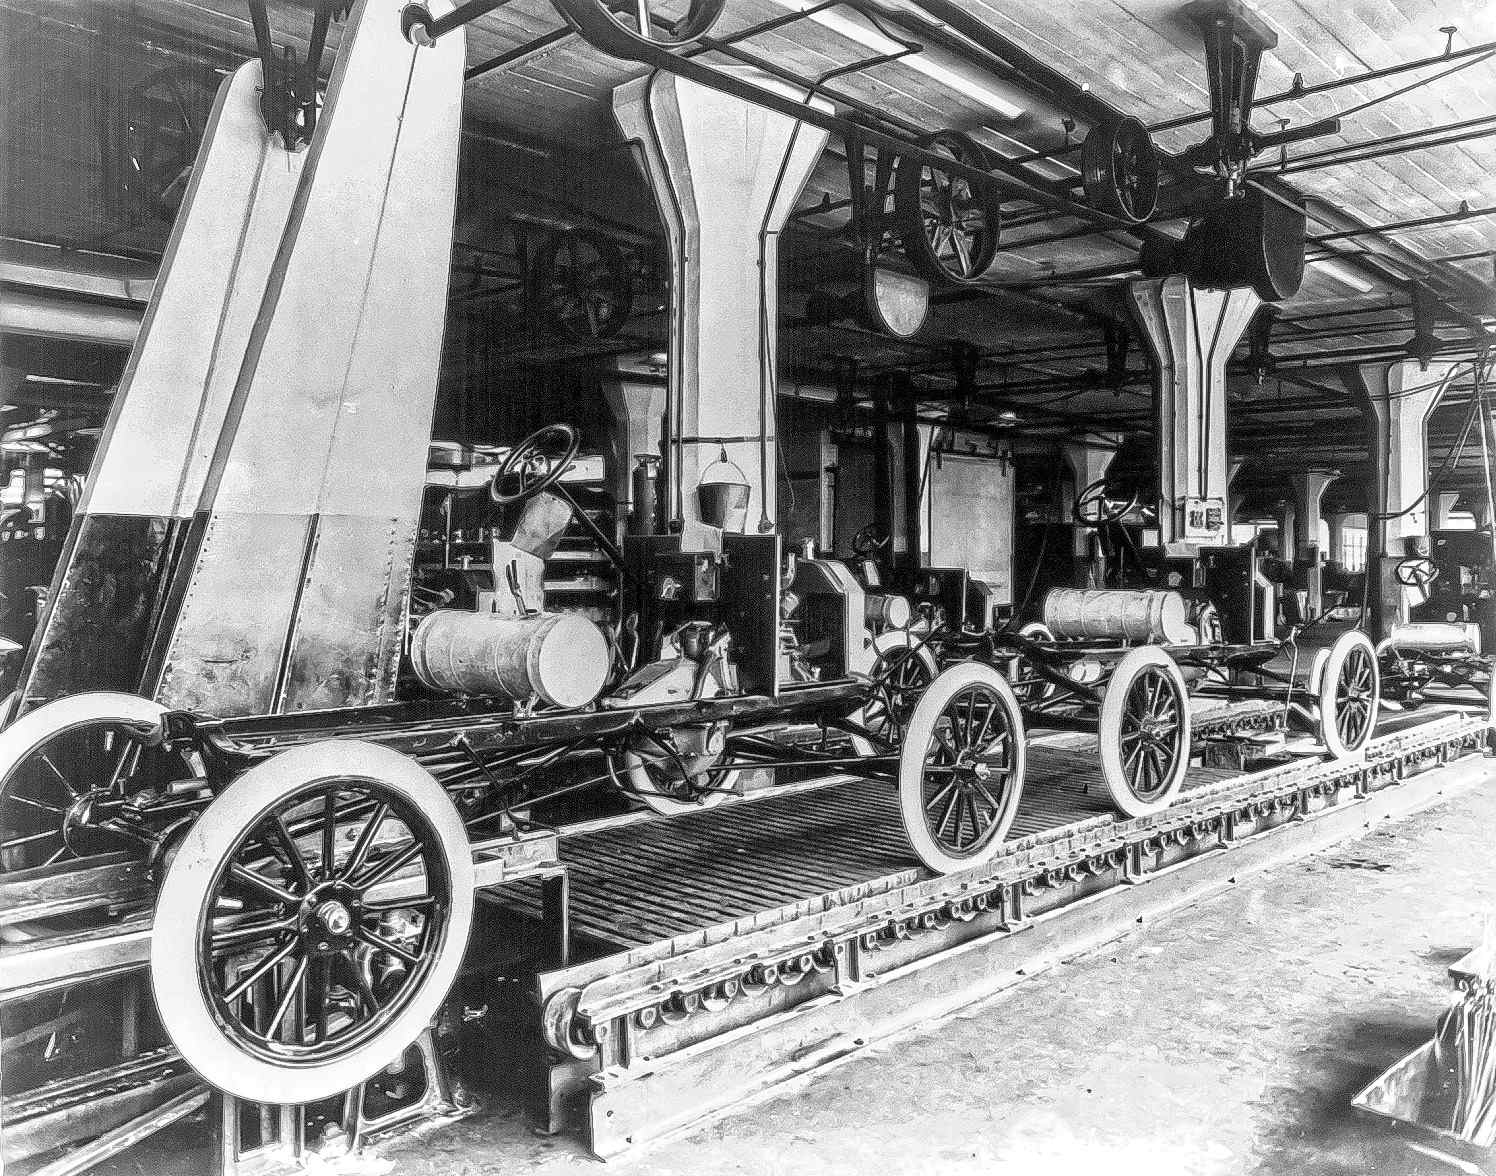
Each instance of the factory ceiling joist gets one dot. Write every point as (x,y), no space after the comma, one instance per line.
(1406,152)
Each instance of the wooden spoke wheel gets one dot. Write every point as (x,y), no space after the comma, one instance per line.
(948,225)
(1144,732)
(581,283)
(961,768)
(1350,689)
(164,119)
(622,28)
(311,921)
(677,771)
(1119,168)
(902,671)
(72,773)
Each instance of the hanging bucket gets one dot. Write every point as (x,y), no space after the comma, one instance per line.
(722,496)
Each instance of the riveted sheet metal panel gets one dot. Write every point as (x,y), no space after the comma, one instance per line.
(315,487)
(113,580)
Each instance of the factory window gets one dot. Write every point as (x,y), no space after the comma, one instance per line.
(1352,553)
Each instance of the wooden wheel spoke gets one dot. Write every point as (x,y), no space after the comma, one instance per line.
(329,831)
(37,804)
(388,867)
(380,943)
(62,779)
(365,840)
(246,933)
(288,1000)
(992,800)
(963,252)
(419,903)
(259,971)
(262,884)
(282,837)
(946,816)
(944,791)
(31,839)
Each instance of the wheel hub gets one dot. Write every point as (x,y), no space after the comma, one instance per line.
(329,917)
(1155,728)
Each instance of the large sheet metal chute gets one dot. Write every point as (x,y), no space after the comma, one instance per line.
(116,569)
(308,519)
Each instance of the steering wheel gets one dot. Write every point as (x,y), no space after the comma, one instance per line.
(869,541)
(535,464)
(1094,509)
(1417,571)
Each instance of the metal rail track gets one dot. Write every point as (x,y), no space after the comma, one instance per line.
(735,949)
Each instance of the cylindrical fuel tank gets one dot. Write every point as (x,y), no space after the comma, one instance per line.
(885,608)
(561,657)
(1435,637)
(1117,614)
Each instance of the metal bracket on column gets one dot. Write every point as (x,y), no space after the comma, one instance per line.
(1191,333)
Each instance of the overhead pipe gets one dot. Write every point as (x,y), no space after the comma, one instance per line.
(50,317)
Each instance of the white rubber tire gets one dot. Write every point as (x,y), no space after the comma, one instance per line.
(1109,731)
(884,644)
(184,1007)
(1317,669)
(917,739)
(1329,733)
(75,712)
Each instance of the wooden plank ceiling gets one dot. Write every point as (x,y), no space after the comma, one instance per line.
(533,82)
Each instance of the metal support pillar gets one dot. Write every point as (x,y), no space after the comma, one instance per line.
(637,406)
(1089,457)
(916,453)
(1310,487)
(1286,513)
(312,499)
(1191,333)
(725,173)
(1397,399)
(169,408)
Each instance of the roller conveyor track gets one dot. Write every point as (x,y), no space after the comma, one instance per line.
(639,883)
(720,953)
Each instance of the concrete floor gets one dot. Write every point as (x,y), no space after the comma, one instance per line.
(1228,1038)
